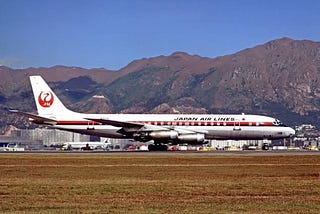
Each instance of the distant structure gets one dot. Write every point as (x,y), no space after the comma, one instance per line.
(237,143)
(307,135)
(21,142)
(49,136)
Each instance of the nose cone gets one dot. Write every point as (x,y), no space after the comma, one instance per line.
(291,132)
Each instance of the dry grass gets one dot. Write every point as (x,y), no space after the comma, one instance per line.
(145,183)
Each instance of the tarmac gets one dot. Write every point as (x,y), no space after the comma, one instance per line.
(214,153)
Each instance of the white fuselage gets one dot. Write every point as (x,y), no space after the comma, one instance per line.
(83,145)
(212,126)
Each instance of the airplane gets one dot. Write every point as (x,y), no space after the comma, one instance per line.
(161,128)
(85,145)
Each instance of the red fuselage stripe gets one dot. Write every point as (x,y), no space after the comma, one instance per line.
(176,123)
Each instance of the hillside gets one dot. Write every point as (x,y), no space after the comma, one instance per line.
(279,78)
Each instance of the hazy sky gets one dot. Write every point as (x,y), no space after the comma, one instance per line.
(110,34)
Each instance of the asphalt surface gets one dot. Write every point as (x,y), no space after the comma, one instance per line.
(245,152)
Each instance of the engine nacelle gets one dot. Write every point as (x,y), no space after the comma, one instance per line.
(156,135)
(170,135)
(192,138)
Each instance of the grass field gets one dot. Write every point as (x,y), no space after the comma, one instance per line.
(147,183)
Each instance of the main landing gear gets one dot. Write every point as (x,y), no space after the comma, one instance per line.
(157,147)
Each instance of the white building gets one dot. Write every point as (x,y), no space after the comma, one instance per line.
(237,143)
(49,136)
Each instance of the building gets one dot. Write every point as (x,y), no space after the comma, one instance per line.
(237,143)
(49,137)
(21,142)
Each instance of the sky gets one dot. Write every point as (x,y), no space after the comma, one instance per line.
(110,34)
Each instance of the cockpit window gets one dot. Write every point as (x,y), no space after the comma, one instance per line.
(277,122)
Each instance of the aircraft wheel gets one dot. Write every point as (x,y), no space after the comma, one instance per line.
(157,147)
(163,147)
(151,147)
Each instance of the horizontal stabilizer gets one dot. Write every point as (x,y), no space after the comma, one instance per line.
(36,118)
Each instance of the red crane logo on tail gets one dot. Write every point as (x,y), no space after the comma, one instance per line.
(45,99)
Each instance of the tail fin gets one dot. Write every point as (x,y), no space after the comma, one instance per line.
(47,102)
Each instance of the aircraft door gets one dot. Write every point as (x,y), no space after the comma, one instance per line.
(237,125)
(90,125)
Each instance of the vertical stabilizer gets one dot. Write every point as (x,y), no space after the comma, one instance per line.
(48,104)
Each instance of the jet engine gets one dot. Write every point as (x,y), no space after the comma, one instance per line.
(156,135)
(170,135)
(191,138)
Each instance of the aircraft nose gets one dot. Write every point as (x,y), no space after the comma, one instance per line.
(291,132)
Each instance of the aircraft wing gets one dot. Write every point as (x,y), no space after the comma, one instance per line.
(189,131)
(128,126)
(117,123)
(35,117)
(132,126)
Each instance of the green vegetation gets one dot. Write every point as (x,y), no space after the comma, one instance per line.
(147,87)
(148,183)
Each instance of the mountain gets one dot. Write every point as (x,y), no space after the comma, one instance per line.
(279,78)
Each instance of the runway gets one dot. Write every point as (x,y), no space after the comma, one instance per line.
(197,153)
